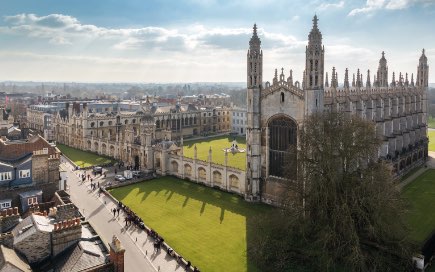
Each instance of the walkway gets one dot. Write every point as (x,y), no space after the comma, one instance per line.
(139,254)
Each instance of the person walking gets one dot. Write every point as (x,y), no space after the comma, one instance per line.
(114,211)
(117,210)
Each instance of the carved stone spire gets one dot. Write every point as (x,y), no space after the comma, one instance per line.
(290,78)
(255,42)
(412,79)
(334,78)
(346,78)
(326,80)
(255,61)
(358,79)
(393,80)
(314,59)
(406,80)
(275,78)
(353,81)
(368,84)
(382,72)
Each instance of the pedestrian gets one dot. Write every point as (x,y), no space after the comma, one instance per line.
(114,211)
(117,210)
(98,184)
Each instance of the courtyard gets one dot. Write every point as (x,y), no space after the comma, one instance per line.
(83,158)
(208,227)
(420,194)
(217,144)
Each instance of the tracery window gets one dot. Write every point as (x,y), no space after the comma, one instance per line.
(283,136)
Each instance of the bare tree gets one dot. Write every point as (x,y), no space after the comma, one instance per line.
(343,211)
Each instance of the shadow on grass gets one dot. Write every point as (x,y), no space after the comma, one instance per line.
(226,202)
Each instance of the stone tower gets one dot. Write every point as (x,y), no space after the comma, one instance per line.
(382,75)
(314,70)
(147,133)
(423,71)
(253,127)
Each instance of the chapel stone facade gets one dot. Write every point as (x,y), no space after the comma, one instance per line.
(276,110)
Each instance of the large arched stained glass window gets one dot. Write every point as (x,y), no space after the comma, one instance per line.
(283,135)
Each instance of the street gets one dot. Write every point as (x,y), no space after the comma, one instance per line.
(139,254)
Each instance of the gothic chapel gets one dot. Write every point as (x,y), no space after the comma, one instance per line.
(275,111)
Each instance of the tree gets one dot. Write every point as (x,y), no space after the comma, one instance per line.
(343,210)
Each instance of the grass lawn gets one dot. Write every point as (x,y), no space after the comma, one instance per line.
(431,134)
(82,158)
(237,160)
(421,195)
(206,226)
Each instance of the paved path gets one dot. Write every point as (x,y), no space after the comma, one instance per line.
(139,254)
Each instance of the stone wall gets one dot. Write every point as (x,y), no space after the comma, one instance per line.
(65,234)
(8,219)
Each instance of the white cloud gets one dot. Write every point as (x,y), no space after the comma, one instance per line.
(66,30)
(373,5)
(325,6)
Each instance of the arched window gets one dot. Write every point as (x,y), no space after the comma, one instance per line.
(282,97)
(126,122)
(283,136)
(92,124)
(101,123)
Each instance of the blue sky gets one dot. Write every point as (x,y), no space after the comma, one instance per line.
(204,40)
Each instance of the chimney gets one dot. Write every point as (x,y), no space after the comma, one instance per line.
(116,254)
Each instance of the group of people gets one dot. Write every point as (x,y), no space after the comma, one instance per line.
(130,216)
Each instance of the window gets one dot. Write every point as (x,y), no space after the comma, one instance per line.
(101,123)
(134,121)
(110,123)
(5,176)
(126,122)
(92,124)
(24,173)
(282,97)
(5,204)
(32,200)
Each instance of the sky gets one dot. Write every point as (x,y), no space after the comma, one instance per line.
(166,41)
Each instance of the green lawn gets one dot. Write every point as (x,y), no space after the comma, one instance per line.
(421,195)
(237,160)
(431,134)
(209,227)
(82,158)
